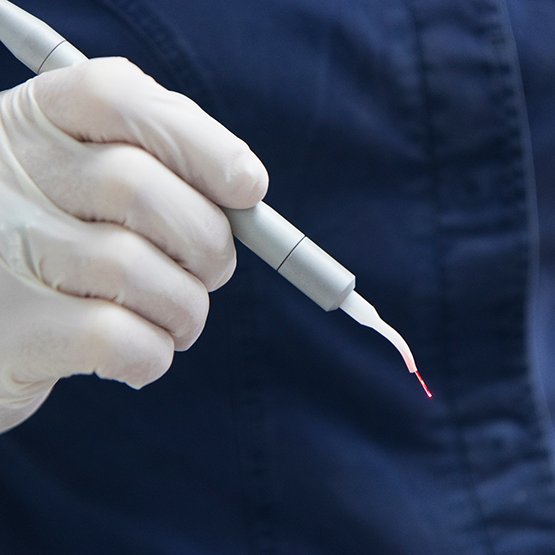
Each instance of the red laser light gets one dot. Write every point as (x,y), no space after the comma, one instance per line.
(428,392)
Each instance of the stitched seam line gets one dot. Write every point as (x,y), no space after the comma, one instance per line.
(179,64)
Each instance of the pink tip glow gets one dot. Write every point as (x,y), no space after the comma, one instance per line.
(364,313)
(428,392)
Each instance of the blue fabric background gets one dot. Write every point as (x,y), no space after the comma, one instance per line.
(409,139)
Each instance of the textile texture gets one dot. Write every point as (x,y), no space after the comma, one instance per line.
(413,140)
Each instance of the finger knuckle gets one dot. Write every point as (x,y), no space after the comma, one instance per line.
(129,350)
(126,250)
(116,256)
(216,241)
(248,176)
(120,165)
(120,75)
(216,249)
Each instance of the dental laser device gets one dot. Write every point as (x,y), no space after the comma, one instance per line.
(260,228)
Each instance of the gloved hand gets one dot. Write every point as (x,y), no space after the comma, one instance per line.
(110,233)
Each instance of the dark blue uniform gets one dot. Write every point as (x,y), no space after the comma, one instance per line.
(414,140)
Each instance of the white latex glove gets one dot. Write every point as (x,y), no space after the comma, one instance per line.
(110,234)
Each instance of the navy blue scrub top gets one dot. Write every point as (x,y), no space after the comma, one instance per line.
(414,140)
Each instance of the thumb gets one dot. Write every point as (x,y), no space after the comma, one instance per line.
(111,100)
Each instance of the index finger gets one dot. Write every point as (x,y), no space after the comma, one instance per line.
(111,100)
